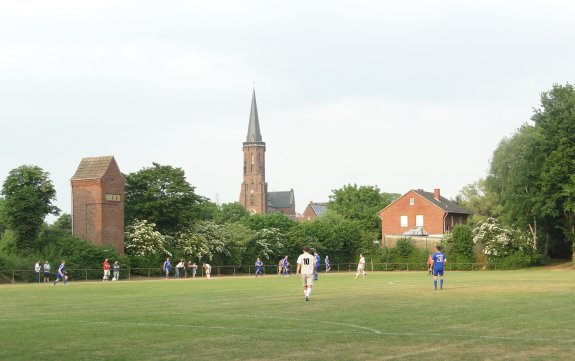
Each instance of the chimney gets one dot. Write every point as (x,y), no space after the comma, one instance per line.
(436,194)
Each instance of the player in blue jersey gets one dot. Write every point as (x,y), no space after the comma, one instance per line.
(317,263)
(438,266)
(327,264)
(60,274)
(259,265)
(285,266)
(166,267)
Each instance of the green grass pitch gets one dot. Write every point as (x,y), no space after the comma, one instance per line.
(526,314)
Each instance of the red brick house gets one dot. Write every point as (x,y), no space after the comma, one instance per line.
(420,213)
(313,210)
(98,202)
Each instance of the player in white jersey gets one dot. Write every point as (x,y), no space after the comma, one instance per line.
(305,268)
(360,267)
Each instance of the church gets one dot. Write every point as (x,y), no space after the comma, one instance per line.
(254,195)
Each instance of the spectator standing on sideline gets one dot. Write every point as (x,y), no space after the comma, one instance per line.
(429,265)
(327,265)
(306,267)
(106,266)
(179,268)
(194,268)
(166,267)
(46,272)
(60,274)
(280,266)
(116,271)
(37,269)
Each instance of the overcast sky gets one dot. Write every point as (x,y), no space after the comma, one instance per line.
(393,94)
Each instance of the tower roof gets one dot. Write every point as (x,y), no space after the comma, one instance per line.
(93,167)
(254,134)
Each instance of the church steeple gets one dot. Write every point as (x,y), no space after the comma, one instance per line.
(254,193)
(254,134)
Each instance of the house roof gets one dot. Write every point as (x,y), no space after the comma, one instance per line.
(318,208)
(416,231)
(443,203)
(93,167)
(254,135)
(282,199)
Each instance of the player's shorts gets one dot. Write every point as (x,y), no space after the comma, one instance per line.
(106,272)
(258,270)
(360,267)
(306,280)
(46,274)
(438,272)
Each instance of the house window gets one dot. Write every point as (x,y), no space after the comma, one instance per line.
(419,220)
(411,201)
(403,221)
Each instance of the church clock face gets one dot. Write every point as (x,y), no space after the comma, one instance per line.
(252,191)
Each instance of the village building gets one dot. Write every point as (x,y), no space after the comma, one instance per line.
(254,194)
(98,202)
(313,211)
(424,217)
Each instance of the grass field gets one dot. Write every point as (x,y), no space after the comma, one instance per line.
(390,315)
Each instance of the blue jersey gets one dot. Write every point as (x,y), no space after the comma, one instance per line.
(167,265)
(317,261)
(438,260)
(259,264)
(61,270)
(327,262)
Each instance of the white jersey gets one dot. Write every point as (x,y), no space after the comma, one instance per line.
(307,262)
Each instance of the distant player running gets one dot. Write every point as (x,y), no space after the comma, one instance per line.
(360,267)
(60,274)
(438,266)
(259,265)
(317,264)
(327,265)
(305,268)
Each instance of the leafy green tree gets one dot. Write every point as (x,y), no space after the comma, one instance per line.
(3,222)
(202,241)
(28,195)
(161,195)
(63,224)
(361,204)
(231,212)
(267,244)
(476,198)
(555,121)
(258,222)
(460,244)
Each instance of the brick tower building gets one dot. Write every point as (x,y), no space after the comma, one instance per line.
(98,202)
(254,195)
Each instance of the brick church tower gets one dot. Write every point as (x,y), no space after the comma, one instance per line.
(254,193)
(98,202)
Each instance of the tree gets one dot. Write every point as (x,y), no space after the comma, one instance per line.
(361,204)
(555,120)
(460,244)
(231,212)
(63,223)
(28,195)
(476,198)
(161,195)
(142,240)
(258,222)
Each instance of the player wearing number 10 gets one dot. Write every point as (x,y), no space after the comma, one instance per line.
(305,268)
(438,263)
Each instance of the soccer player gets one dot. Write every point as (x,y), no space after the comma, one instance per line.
(285,266)
(327,265)
(259,265)
(438,263)
(60,274)
(208,270)
(116,267)
(306,267)
(360,267)
(106,266)
(429,265)
(317,263)
(166,267)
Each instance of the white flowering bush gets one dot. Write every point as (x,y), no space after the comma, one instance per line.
(202,242)
(143,241)
(266,243)
(500,241)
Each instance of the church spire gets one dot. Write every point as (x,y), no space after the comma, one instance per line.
(254,134)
